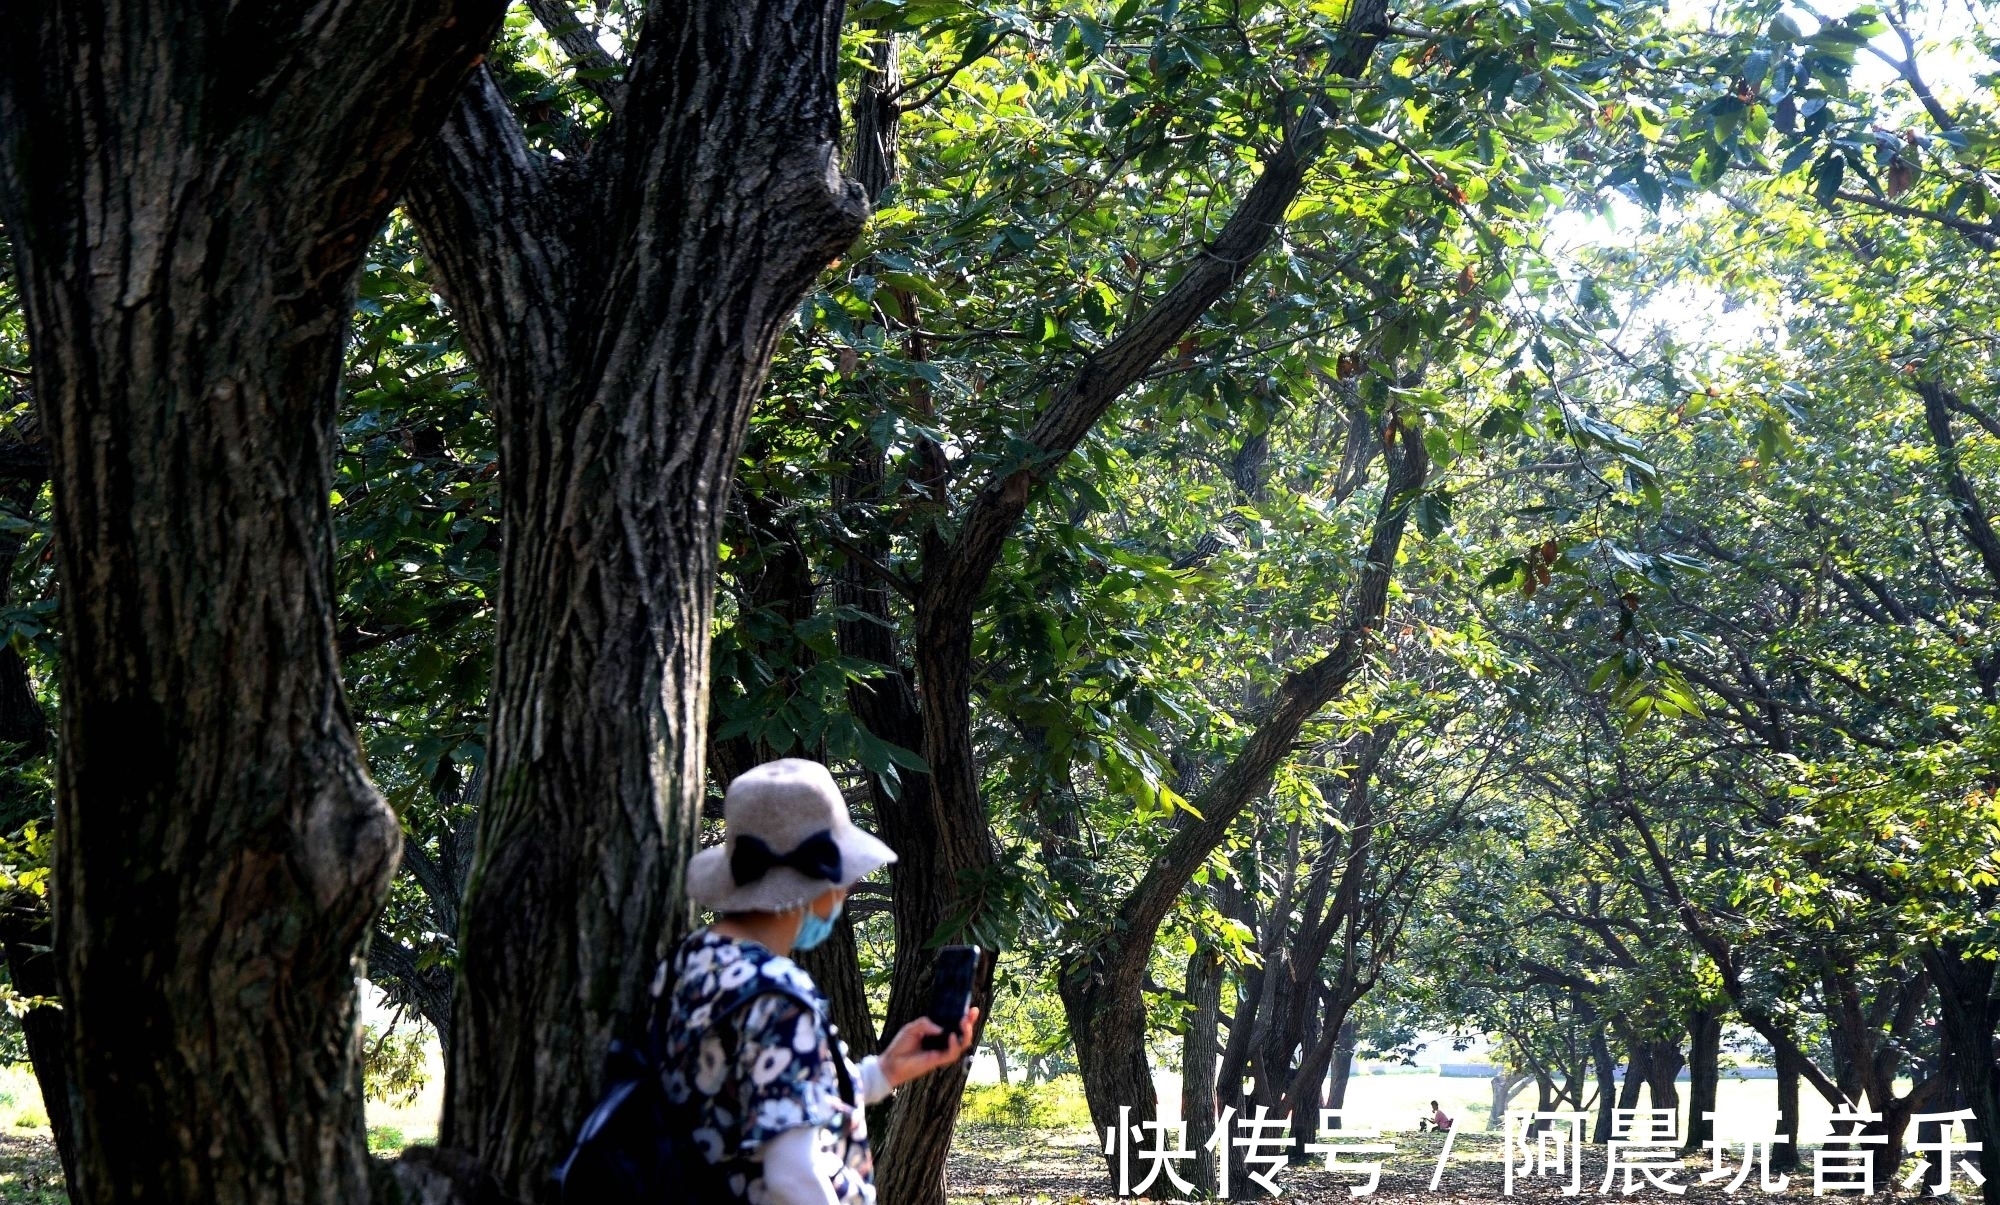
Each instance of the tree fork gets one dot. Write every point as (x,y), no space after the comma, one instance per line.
(622,308)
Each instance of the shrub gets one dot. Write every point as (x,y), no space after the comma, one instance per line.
(1058,1104)
(394,1065)
(385,1140)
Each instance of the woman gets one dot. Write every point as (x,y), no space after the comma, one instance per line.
(1439,1120)
(742,1049)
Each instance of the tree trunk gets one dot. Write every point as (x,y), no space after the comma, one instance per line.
(1785,1156)
(1342,1071)
(1504,1086)
(1867,1041)
(943,835)
(1274,1036)
(1235,1063)
(26,933)
(1704,1073)
(190,192)
(1199,1051)
(1662,1069)
(1607,1083)
(1638,1069)
(26,930)
(939,846)
(1969,1016)
(782,586)
(622,308)
(1333,1049)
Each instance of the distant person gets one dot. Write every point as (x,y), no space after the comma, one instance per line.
(759,1066)
(1439,1121)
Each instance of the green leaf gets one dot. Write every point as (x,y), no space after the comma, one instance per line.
(1827,175)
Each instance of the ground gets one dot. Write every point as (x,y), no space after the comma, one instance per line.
(29,1172)
(1050,1156)
(991,1165)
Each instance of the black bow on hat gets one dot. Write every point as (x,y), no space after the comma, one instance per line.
(817,857)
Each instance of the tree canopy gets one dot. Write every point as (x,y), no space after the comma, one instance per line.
(1252,500)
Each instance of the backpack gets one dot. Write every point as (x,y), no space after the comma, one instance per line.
(636,1147)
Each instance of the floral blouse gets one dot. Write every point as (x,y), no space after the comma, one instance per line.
(781,1074)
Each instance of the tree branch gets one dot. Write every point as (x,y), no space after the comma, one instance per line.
(1105,375)
(1907,68)
(1986,238)
(479,199)
(599,71)
(1720,953)
(1971,515)
(1298,699)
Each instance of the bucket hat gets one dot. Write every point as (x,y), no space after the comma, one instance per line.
(786,838)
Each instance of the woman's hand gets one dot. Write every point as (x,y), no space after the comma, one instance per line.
(904,1059)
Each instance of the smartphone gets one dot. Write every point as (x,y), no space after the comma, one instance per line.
(951,992)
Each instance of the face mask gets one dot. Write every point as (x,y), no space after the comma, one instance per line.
(816,928)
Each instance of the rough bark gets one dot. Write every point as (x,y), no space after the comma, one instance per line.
(622,309)
(1199,1050)
(190,191)
(1970,1016)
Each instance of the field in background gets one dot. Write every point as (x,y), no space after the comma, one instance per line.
(1398,1101)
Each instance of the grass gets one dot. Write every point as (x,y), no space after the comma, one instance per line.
(1056,1105)
(21,1102)
(30,1173)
